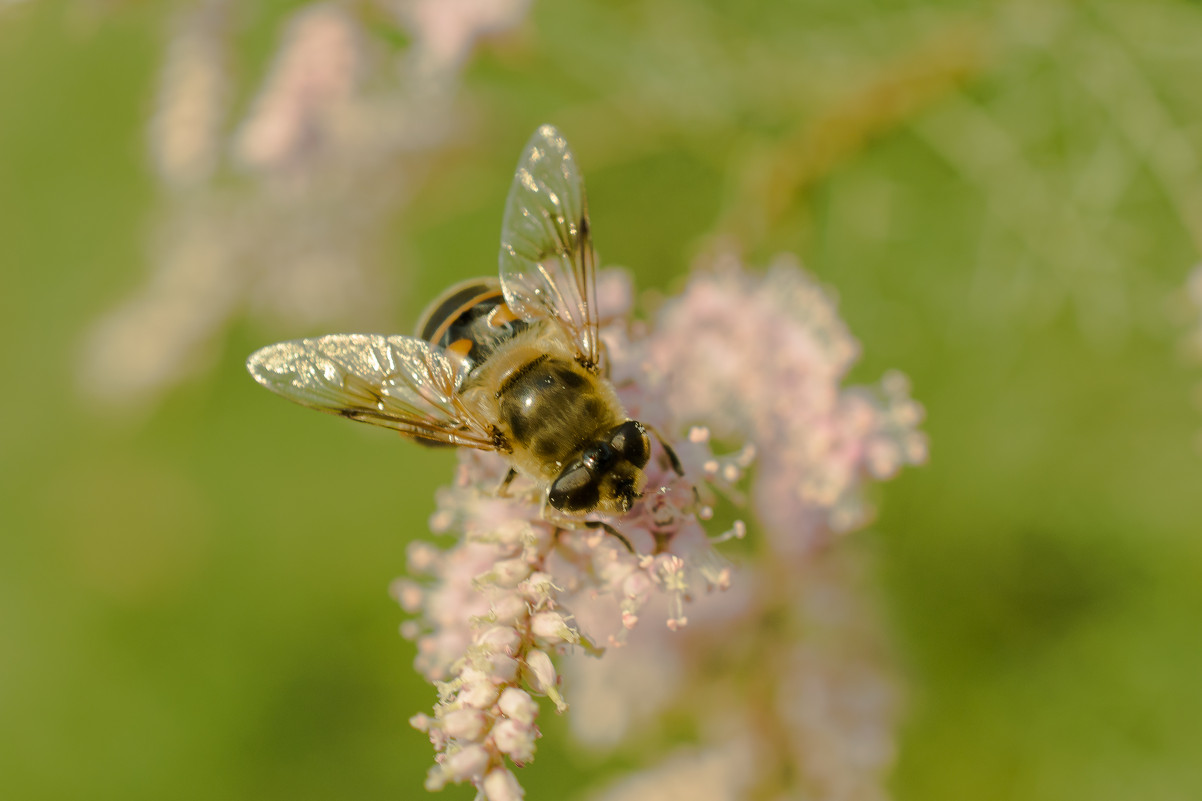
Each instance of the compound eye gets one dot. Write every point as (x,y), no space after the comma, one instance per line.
(630,440)
(599,457)
(575,490)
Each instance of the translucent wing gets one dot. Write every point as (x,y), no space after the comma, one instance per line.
(397,382)
(547,260)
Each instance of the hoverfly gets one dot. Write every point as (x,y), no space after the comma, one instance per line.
(509,364)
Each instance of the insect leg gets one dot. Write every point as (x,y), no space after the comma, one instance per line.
(603,358)
(672,457)
(611,530)
(503,489)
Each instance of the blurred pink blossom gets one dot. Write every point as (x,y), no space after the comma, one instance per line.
(716,773)
(278,214)
(308,88)
(447,29)
(193,96)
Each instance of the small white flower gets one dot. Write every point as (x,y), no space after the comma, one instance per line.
(518,705)
(543,678)
(463,724)
(507,573)
(538,589)
(509,608)
(479,694)
(551,627)
(501,785)
(466,763)
(514,739)
(501,639)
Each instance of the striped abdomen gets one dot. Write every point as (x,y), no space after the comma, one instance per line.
(470,320)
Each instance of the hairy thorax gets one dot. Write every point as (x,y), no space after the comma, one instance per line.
(547,406)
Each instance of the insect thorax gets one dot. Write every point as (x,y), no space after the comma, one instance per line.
(553,409)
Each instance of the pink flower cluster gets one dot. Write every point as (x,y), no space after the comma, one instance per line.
(762,359)
(785,677)
(517,590)
(516,600)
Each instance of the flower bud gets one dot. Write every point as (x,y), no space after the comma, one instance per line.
(507,572)
(515,739)
(517,704)
(538,589)
(542,676)
(503,668)
(552,627)
(501,785)
(408,594)
(463,724)
(501,639)
(509,608)
(478,694)
(466,764)
(512,533)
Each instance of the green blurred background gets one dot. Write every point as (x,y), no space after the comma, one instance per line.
(1006,197)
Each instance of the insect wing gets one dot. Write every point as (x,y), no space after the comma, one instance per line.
(397,382)
(547,261)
